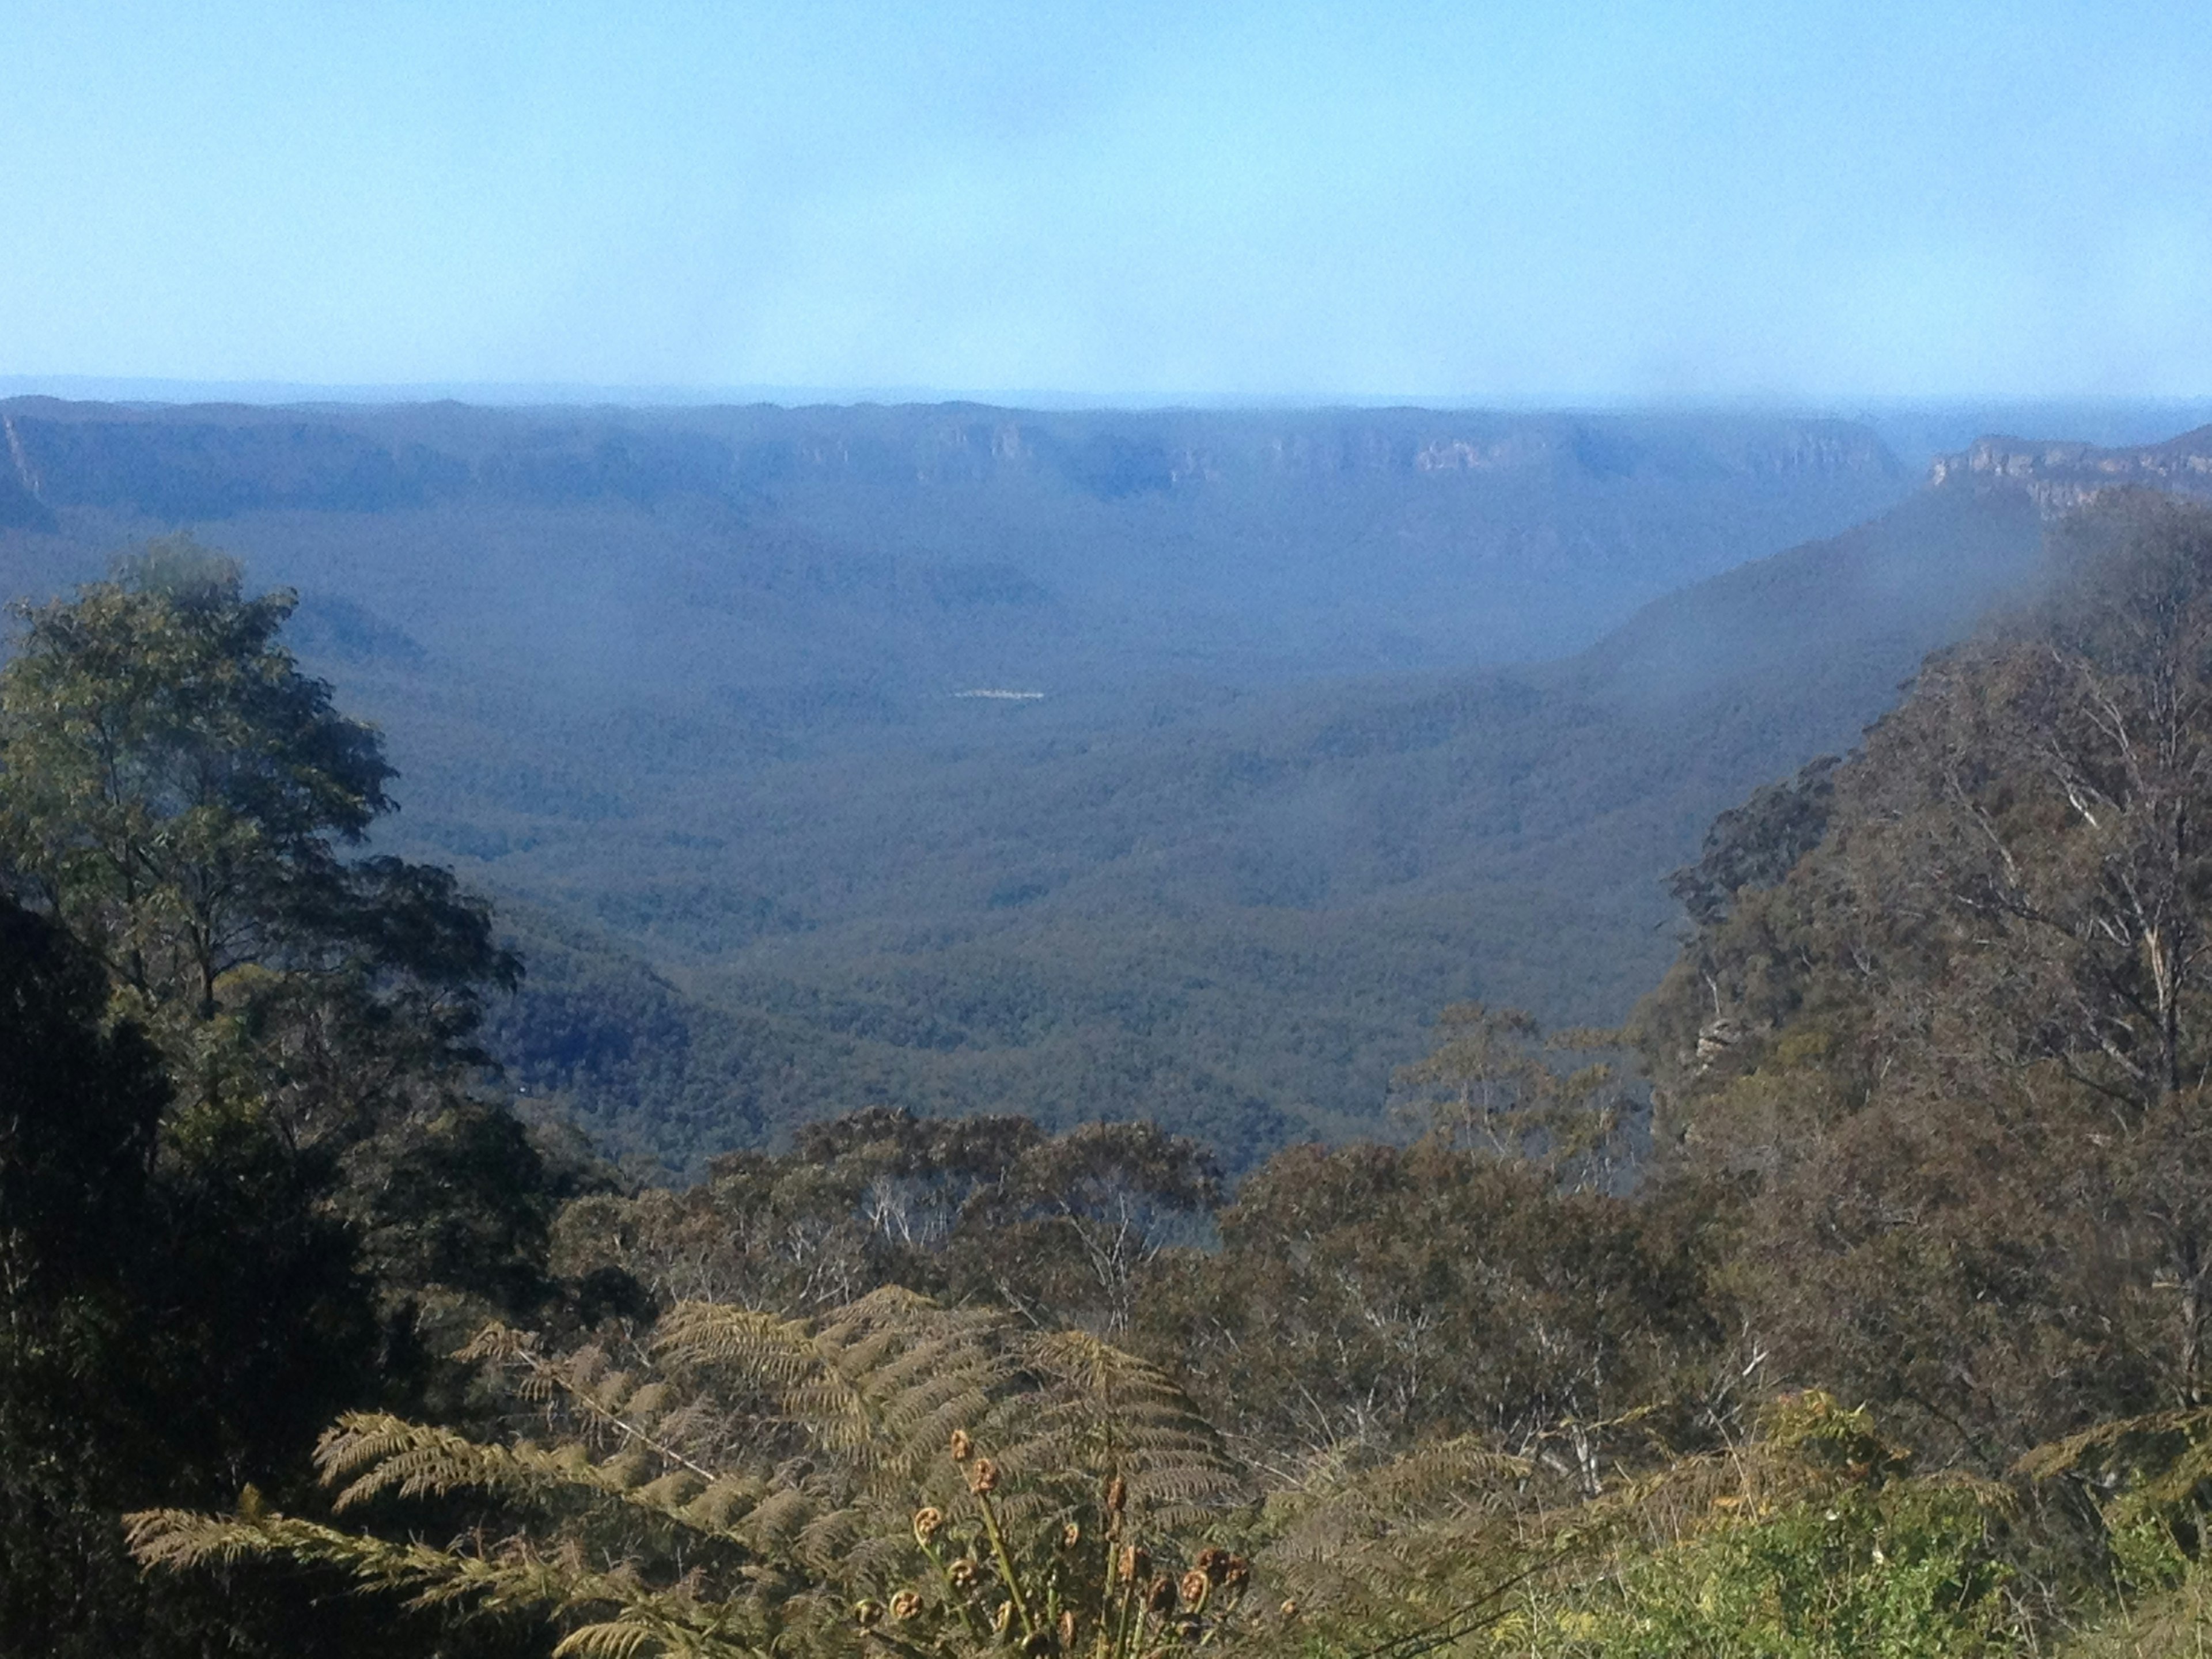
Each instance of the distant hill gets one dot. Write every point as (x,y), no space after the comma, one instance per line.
(681,687)
(852,554)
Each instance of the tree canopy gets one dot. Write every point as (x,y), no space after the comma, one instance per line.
(176,792)
(1957,1055)
(240,1124)
(1892,1342)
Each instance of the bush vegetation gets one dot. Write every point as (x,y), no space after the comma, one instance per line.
(1881,1327)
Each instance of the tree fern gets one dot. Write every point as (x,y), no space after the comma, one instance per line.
(893,1473)
(898,1478)
(881,1381)
(1107,1415)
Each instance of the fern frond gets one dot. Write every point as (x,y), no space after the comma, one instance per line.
(497,1344)
(2137,1433)
(773,1524)
(617,1638)
(1433,1477)
(644,1413)
(382,1453)
(1104,1412)
(1439,1528)
(178,1539)
(722,1501)
(827,1540)
(389,1454)
(881,1381)
(782,1353)
(517,1577)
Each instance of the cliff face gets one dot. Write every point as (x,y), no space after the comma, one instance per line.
(944,538)
(2061,476)
(216,461)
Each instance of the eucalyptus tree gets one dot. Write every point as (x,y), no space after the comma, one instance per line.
(181,797)
(1960,1051)
(245,1171)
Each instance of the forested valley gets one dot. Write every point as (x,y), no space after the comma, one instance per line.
(1836,1280)
(1346,715)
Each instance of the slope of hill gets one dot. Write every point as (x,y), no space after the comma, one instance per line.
(1241,916)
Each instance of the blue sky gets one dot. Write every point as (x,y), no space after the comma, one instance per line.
(1532,202)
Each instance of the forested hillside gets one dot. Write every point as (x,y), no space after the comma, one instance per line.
(1241,915)
(1889,1337)
(1237,917)
(678,686)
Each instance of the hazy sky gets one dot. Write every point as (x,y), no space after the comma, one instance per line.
(1534,200)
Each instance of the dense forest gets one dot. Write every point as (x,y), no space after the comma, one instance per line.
(677,688)
(1852,1298)
(1240,917)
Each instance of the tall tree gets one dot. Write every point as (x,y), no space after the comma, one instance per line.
(179,796)
(78,1107)
(240,1151)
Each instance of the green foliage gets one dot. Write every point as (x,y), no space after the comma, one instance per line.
(1811,1539)
(242,1177)
(1066,1227)
(2176,1624)
(1933,1089)
(1756,845)
(1953,1064)
(1908,1578)
(1489,1084)
(2149,1480)
(1372,1295)
(169,775)
(175,792)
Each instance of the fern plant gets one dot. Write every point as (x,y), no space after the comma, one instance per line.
(894,1476)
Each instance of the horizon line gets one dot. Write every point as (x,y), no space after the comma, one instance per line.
(522,394)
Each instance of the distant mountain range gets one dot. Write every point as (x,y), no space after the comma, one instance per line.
(681,687)
(916,547)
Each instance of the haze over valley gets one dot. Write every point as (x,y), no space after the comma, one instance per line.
(980,831)
(1330,719)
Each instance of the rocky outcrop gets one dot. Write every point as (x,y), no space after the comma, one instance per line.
(209,461)
(2061,476)
(21,506)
